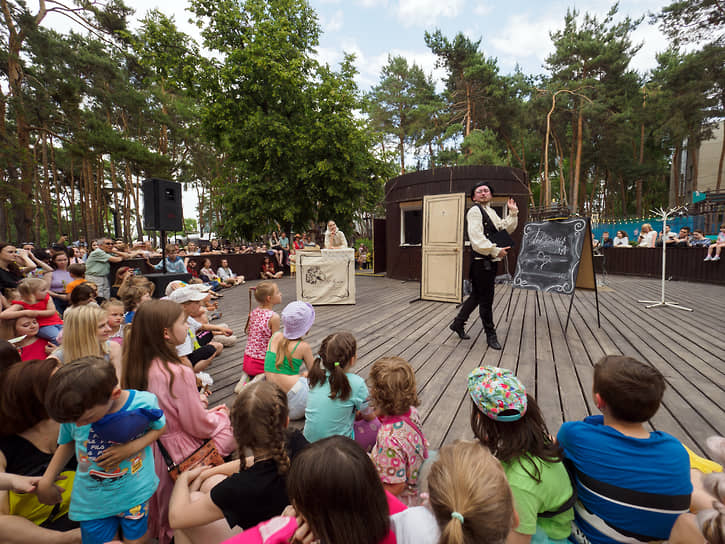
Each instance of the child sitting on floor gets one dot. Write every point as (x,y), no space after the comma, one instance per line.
(110,430)
(336,393)
(631,483)
(508,422)
(262,323)
(243,494)
(401,447)
(469,501)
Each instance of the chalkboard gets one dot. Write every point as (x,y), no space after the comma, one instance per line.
(550,257)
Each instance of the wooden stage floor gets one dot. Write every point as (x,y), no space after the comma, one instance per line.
(687,347)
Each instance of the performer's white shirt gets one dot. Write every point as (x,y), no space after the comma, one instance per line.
(479,242)
(339,240)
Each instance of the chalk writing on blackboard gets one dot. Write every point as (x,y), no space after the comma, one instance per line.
(550,255)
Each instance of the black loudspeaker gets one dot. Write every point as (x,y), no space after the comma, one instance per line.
(162,205)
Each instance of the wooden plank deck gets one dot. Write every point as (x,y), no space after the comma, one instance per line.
(556,366)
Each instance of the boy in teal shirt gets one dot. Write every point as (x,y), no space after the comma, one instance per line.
(111,431)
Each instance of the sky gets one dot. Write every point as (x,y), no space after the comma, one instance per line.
(514,32)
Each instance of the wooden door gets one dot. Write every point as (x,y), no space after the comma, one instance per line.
(442,251)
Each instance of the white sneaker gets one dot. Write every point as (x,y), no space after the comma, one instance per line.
(708,258)
(715,258)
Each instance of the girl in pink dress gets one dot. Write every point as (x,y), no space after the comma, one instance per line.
(150,363)
(262,323)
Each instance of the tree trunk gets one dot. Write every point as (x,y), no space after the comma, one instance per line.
(562,181)
(675,176)
(577,165)
(640,181)
(624,196)
(722,159)
(695,166)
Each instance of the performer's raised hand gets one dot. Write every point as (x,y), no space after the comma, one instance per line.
(512,205)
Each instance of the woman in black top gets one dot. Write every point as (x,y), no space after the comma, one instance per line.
(28,438)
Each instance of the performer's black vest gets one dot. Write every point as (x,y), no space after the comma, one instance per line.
(489,229)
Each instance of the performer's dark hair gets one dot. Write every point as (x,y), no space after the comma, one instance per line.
(480,184)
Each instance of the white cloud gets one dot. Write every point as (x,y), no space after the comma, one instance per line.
(427,12)
(333,23)
(524,40)
(373,3)
(653,42)
(482,8)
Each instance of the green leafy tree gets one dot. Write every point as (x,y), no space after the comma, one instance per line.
(692,21)
(293,148)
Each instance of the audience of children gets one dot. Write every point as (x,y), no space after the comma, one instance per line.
(336,393)
(400,448)
(198,356)
(110,431)
(508,422)
(243,495)
(151,363)
(34,301)
(283,360)
(262,323)
(510,486)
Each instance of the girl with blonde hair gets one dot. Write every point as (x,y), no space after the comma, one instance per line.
(86,332)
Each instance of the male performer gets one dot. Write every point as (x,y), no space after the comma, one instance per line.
(483,223)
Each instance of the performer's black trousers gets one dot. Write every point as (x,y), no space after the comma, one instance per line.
(483,282)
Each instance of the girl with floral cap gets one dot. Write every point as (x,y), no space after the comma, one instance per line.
(508,422)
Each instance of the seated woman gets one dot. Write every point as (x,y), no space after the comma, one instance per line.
(334,238)
(621,239)
(28,439)
(268,271)
(227,276)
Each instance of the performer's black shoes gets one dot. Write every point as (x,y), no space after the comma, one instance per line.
(493,342)
(459,330)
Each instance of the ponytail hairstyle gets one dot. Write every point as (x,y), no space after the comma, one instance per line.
(261,292)
(469,495)
(336,353)
(259,419)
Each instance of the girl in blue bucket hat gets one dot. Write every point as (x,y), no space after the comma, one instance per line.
(508,422)
(286,353)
